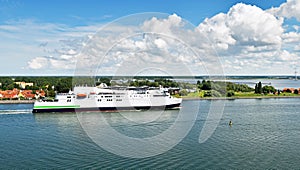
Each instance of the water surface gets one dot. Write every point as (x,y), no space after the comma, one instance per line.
(265,135)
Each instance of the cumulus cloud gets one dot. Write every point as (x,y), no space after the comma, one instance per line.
(217,31)
(291,37)
(290,9)
(166,26)
(243,25)
(38,63)
(251,25)
(244,35)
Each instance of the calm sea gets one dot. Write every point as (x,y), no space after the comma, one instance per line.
(265,135)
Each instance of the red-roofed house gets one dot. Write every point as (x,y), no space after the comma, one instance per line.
(27,94)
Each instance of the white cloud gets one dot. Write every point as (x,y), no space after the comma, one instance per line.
(38,63)
(291,37)
(251,25)
(243,36)
(289,9)
(217,31)
(165,26)
(160,43)
(297,47)
(243,25)
(287,56)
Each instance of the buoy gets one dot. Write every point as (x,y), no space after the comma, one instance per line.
(230,123)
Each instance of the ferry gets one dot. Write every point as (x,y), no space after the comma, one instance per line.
(108,99)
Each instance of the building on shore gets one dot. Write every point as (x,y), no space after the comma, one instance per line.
(16,94)
(23,84)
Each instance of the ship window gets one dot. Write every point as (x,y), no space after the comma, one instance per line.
(160,95)
(68,96)
(108,96)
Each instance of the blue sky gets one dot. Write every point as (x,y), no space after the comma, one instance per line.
(84,12)
(38,36)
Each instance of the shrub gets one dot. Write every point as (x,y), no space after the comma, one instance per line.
(230,93)
(183,92)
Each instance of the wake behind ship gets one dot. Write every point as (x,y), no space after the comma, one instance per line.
(108,99)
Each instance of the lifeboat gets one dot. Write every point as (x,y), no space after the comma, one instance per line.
(81,95)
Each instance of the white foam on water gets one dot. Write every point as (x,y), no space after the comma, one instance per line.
(8,112)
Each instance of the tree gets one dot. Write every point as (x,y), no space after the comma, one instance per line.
(50,93)
(183,92)
(63,85)
(207,94)
(258,88)
(296,91)
(268,89)
(239,87)
(288,91)
(105,80)
(206,85)
(10,87)
(230,93)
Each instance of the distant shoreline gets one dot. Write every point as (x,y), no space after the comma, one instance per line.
(17,101)
(238,97)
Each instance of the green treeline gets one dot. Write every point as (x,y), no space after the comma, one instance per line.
(155,83)
(265,89)
(48,84)
(221,89)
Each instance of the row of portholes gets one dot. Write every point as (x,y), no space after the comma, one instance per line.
(118,100)
(139,96)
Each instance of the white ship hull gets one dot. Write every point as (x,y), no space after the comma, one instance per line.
(95,99)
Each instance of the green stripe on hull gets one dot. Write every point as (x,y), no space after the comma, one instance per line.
(56,107)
